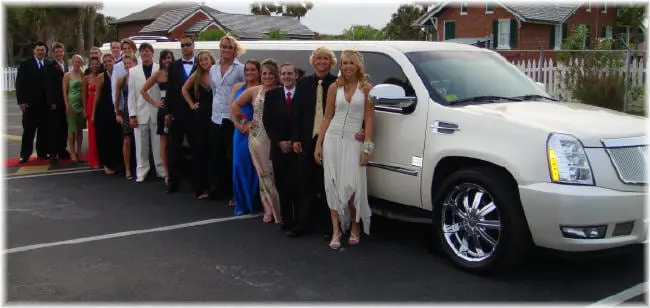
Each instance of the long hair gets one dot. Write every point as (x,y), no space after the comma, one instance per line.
(163,54)
(357,59)
(274,67)
(258,66)
(198,73)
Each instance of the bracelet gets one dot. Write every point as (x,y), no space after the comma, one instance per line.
(368,147)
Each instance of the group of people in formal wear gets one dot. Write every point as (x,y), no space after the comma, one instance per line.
(258,134)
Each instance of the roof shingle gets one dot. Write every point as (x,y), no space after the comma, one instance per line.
(257,26)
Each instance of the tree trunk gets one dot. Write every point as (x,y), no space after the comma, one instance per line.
(80,33)
(90,27)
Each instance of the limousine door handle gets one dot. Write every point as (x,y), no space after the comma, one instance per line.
(446,128)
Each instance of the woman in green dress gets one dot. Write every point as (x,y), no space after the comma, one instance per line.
(76,115)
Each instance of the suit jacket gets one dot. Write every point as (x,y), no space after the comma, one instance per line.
(30,83)
(277,123)
(304,106)
(53,83)
(138,106)
(176,104)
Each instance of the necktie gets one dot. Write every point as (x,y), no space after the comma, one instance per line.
(289,105)
(318,115)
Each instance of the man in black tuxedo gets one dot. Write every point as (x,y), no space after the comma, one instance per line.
(308,111)
(58,123)
(31,96)
(278,121)
(178,113)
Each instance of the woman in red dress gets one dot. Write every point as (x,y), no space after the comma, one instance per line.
(89,90)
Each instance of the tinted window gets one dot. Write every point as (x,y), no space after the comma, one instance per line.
(383,69)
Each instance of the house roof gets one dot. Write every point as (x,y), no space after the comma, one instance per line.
(257,26)
(157,10)
(200,25)
(168,20)
(536,13)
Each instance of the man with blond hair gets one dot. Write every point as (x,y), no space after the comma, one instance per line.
(224,74)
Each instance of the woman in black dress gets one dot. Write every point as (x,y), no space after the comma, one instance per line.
(107,130)
(197,92)
(160,77)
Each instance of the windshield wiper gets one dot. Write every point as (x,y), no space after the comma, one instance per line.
(486,98)
(534,96)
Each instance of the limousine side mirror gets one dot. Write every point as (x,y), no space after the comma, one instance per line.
(390,97)
(541,85)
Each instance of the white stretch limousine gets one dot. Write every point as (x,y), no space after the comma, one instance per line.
(496,165)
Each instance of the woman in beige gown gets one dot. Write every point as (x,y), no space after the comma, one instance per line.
(258,141)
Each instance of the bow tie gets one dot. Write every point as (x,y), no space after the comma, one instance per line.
(188,62)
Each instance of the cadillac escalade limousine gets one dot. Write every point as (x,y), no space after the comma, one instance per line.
(496,164)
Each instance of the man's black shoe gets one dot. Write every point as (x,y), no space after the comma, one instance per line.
(23,160)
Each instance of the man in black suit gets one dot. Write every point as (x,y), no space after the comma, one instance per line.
(309,110)
(58,123)
(31,93)
(278,121)
(178,113)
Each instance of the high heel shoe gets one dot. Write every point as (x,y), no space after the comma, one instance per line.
(354,239)
(336,242)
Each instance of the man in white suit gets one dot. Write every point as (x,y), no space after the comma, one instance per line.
(143,115)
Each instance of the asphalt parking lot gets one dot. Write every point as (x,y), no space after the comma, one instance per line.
(86,236)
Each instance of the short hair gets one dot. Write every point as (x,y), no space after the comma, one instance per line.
(57,45)
(118,42)
(106,55)
(130,43)
(130,56)
(95,48)
(144,46)
(323,51)
(40,43)
(295,69)
(188,37)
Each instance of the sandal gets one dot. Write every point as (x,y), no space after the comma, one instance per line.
(354,239)
(203,196)
(129,177)
(336,242)
(231,203)
(267,218)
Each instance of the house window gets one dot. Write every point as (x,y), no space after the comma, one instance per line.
(588,6)
(463,8)
(504,34)
(604,8)
(489,8)
(450,30)
(608,32)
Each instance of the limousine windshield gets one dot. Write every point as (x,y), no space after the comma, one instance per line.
(454,77)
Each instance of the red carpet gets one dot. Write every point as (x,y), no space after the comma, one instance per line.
(14,162)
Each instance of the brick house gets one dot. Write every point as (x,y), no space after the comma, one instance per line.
(517,30)
(173,20)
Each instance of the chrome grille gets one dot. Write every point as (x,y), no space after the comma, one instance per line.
(630,163)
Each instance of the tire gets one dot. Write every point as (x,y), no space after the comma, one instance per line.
(511,242)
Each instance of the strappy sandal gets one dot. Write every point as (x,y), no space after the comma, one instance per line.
(354,239)
(203,196)
(336,242)
(267,218)
(129,177)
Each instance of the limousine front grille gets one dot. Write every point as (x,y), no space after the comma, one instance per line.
(629,159)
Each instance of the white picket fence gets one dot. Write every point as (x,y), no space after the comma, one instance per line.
(549,73)
(8,82)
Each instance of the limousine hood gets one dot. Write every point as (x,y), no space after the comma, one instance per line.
(588,123)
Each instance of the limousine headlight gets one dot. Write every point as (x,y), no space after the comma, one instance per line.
(567,160)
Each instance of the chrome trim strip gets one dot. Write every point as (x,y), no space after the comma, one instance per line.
(625,142)
(393,168)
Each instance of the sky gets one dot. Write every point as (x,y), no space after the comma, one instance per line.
(327,16)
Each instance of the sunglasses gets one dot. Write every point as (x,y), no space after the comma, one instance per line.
(186,44)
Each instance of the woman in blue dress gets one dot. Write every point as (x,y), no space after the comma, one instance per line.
(244,176)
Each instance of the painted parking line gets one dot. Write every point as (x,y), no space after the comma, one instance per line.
(52,173)
(623,296)
(128,233)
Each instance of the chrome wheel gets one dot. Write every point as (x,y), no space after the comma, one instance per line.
(471,224)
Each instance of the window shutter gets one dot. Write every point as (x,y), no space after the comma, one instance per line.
(453,30)
(551,42)
(495,32)
(588,41)
(603,32)
(513,33)
(565,30)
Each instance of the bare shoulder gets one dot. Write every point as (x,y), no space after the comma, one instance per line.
(237,86)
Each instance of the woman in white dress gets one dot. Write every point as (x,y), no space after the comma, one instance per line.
(344,158)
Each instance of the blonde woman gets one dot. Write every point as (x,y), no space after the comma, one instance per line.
(344,159)
(198,95)
(76,114)
(258,142)
(121,96)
